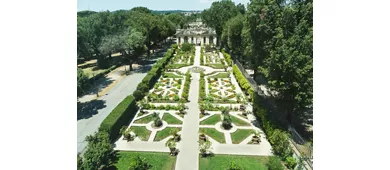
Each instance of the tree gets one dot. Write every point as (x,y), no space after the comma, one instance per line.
(178,19)
(82,81)
(139,163)
(145,23)
(79,162)
(111,44)
(100,152)
(231,35)
(141,9)
(135,46)
(218,14)
(241,8)
(92,29)
(280,143)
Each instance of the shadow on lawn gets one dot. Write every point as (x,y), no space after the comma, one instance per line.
(88,109)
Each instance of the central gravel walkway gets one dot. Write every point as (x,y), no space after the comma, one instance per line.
(188,157)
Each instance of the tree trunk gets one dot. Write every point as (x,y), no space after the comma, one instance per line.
(130,66)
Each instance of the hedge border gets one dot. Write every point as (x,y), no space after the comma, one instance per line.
(125,111)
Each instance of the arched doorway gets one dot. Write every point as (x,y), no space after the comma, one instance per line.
(185,39)
(204,40)
(211,38)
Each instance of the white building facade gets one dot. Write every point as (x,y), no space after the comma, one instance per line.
(197,33)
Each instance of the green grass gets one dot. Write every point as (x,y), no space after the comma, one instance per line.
(164,133)
(216,66)
(176,66)
(141,132)
(221,75)
(171,119)
(158,160)
(211,120)
(145,120)
(241,115)
(240,134)
(239,122)
(213,133)
(222,162)
(171,75)
(90,72)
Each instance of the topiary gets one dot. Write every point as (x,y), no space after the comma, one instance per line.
(290,162)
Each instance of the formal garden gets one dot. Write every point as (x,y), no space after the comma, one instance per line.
(195,103)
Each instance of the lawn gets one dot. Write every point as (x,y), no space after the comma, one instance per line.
(221,75)
(216,66)
(239,122)
(171,119)
(171,75)
(90,72)
(141,132)
(222,162)
(176,66)
(213,133)
(211,120)
(241,115)
(145,120)
(240,134)
(160,135)
(158,160)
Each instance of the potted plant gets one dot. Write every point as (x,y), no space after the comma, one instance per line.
(171,144)
(256,137)
(204,148)
(176,135)
(202,137)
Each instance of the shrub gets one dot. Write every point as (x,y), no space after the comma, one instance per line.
(139,163)
(227,57)
(138,95)
(290,162)
(100,152)
(227,122)
(186,47)
(120,116)
(274,163)
(280,143)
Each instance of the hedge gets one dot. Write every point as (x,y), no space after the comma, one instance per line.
(243,82)
(150,79)
(227,57)
(277,137)
(186,89)
(126,110)
(119,117)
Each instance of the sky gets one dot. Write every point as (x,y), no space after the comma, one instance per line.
(112,5)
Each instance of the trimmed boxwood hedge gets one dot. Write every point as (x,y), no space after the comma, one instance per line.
(120,116)
(227,57)
(153,75)
(242,81)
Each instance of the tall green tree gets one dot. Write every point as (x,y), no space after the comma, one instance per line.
(231,35)
(218,14)
(100,152)
(146,23)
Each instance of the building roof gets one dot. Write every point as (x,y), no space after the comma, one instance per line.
(196,28)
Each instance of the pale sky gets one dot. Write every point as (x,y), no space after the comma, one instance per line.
(112,5)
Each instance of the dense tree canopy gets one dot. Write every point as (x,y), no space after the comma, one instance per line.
(275,39)
(218,14)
